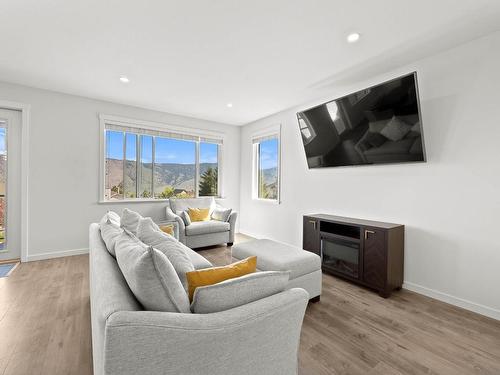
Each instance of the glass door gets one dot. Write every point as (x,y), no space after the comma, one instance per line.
(3,184)
(10,184)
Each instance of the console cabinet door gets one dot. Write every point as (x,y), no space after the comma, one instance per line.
(311,238)
(374,258)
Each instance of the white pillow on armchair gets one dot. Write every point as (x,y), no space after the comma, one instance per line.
(221,214)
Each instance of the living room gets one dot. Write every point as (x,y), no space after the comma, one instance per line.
(203,121)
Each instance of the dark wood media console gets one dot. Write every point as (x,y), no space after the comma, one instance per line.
(369,253)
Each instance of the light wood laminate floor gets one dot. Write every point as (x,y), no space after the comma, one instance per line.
(45,327)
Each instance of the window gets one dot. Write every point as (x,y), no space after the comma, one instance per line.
(3,182)
(266,151)
(209,169)
(155,164)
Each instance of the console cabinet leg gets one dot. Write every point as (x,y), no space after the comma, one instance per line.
(384,293)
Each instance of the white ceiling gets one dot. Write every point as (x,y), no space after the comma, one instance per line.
(193,57)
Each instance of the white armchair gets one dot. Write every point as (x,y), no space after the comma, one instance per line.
(203,233)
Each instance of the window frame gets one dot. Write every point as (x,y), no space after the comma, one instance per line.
(257,138)
(106,121)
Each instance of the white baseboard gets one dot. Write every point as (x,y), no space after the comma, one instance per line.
(250,234)
(56,254)
(452,300)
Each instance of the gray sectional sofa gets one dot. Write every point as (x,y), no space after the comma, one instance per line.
(261,337)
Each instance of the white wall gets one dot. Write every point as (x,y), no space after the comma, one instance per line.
(64,166)
(450,205)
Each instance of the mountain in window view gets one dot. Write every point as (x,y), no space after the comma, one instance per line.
(269,183)
(180,177)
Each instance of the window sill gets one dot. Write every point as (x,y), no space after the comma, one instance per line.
(144,200)
(268,201)
(148,200)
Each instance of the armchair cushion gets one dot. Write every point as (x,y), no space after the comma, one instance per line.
(199,214)
(221,214)
(206,227)
(186,218)
(238,291)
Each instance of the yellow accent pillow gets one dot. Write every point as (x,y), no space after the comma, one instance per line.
(199,214)
(168,229)
(214,275)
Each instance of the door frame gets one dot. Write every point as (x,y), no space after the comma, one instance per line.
(25,126)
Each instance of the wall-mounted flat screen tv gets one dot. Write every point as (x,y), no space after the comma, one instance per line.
(378,125)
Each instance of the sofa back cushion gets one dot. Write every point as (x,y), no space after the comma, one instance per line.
(150,276)
(238,291)
(180,205)
(110,230)
(149,233)
(130,220)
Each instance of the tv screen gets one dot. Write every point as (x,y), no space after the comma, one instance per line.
(378,125)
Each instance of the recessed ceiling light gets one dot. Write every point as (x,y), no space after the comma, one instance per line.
(124,79)
(353,37)
(229,105)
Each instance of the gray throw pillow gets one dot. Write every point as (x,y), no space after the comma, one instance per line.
(185,217)
(238,291)
(150,276)
(221,214)
(396,129)
(110,230)
(149,233)
(130,220)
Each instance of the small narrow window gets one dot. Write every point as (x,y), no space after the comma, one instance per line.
(209,170)
(266,168)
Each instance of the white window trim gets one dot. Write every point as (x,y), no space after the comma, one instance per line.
(270,131)
(161,127)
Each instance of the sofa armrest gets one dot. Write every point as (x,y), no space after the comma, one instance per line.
(171,216)
(232,223)
(261,337)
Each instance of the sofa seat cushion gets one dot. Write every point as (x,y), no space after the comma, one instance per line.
(206,227)
(276,256)
(199,262)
